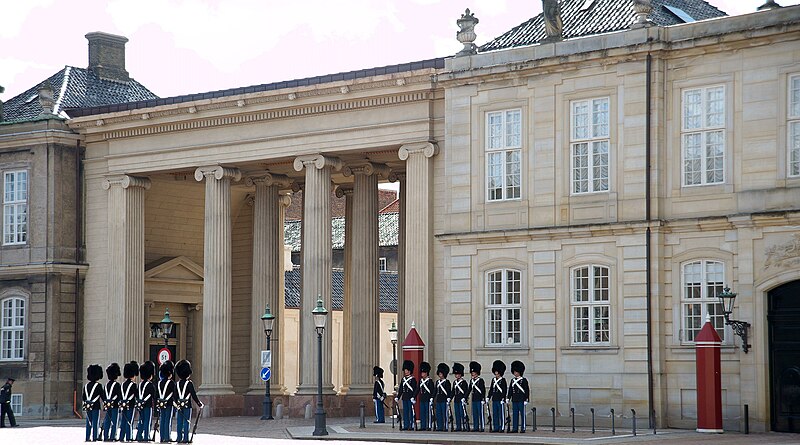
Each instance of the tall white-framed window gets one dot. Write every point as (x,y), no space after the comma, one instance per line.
(16,404)
(589,136)
(382,264)
(15,207)
(703,135)
(591,306)
(12,328)
(503,155)
(503,307)
(793,125)
(701,282)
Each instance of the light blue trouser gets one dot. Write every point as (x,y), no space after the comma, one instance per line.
(459,414)
(424,414)
(125,424)
(498,416)
(143,428)
(477,416)
(110,424)
(518,411)
(184,415)
(379,415)
(92,418)
(441,416)
(166,424)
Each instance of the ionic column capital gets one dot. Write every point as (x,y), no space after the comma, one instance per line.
(318,161)
(217,172)
(397,176)
(366,168)
(126,181)
(285,199)
(428,149)
(343,190)
(268,180)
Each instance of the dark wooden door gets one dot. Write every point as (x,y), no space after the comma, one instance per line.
(784,357)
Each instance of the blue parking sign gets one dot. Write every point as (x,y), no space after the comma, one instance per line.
(265,374)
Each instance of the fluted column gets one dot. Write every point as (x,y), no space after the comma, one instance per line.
(346,192)
(267,269)
(401,253)
(365,275)
(418,277)
(125,317)
(317,262)
(217,279)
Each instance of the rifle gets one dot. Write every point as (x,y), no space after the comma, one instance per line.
(156,413)
(413,416)
(398,414)
(431,414)
(508,418)
(196,422)
(450,412)
(466,416)
(489,414)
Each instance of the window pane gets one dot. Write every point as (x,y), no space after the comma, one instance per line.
(9,187)
(513,128)
(494,175)
(513,326)
(580,120)
(692,278)
(580,332)
(600,118)
(717,318)
(715,156)
(715,107)
(692,158)
(495,130)
(580,168)
(714,279)
(496,288)
(495,328)
(513,175)
(600,283)
(600,166)
(601,323)
(692,109)
(513,287)
(794,95)
(794,147)
(692,320)
(581,284)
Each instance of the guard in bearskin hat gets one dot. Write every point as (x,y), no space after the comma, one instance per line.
(111,404)
(497,394)
(166,399)
(442,397)
(460,394)
(477,392)
(186,393)
(126,404)
(408,392)
(93,395)
(145,401)
(519,393)
(378,394)
(426,391)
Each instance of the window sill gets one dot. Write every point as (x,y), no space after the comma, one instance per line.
(14,363)
(15,246)
(590,350)
(690,349)
(489,350)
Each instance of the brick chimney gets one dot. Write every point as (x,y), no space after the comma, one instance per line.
(107,56)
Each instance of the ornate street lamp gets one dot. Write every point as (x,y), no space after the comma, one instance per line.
(320,317)
(166,327)
(269,320)
(393,338)
(726,299)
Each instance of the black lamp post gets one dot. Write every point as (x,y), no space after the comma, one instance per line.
(393,338)
(727,298)
(320,317)
(166,327)
(268,320)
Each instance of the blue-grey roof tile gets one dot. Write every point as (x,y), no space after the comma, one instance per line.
(387,290)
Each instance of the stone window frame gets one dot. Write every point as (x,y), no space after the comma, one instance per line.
(704,130)
(14,295)
(505,150)
(792,124)
(704,299)
(16,204)
(590,140)
(382,264)
(17,405)
(504,306)
(591,305)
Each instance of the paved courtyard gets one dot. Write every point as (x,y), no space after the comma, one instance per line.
(251,430)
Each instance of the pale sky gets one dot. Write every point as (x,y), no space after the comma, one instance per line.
(191,46)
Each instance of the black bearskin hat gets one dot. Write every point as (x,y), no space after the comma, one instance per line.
(458,368)
(377,371)
(425,367)
(408,364)
(94,373)
(130,370)
(475,367)
(113,371)
(443,369)
(183,369)
(499,367)
(147,370)
(517,366)
(167,369)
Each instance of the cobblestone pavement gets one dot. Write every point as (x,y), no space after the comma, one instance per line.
(252,430)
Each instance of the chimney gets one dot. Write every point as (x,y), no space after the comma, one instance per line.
(2,90)
(107,56)
(770,4)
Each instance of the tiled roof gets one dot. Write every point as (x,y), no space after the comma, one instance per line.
(81,88)
(349,75)
(601,17)
(392,207)
(295,209)
(387,289)
(388,232)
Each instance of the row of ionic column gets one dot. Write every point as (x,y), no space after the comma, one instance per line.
(361,311)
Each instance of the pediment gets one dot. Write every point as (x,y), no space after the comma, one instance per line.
(180,269)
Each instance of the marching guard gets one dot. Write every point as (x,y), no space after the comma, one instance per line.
(127,401)
(93,395)
(477,389)
(497,395)
(145,401)
(426,392)
(166,399)
(378,394)
(460,394)
(185,394)
(442,397)
(408,393)
(111,403)
(519,393)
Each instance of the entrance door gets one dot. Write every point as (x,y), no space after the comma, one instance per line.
(784,357)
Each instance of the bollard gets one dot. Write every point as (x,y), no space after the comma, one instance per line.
(308,413)
(279,411)
(633,421)
(654,422)
(553,412)
(572,413)
(592,410)
(613,429)
(533,411)
(361,415)
(747,419)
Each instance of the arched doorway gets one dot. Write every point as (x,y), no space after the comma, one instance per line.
(784,356)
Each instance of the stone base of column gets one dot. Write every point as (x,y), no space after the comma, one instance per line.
(311,390)
(360,390)
(293,406)
(215,390)
(274,390)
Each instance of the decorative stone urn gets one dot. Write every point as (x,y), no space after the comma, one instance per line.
(642,8)
(466,34)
